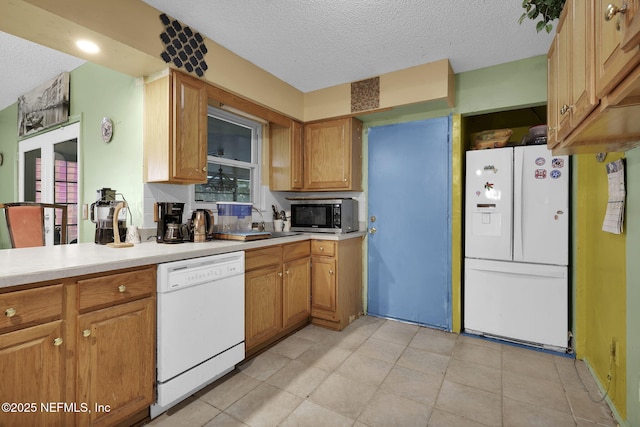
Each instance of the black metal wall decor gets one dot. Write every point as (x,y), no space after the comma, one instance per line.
(183,47)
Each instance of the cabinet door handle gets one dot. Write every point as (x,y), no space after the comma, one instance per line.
(10,312)
(280,274)
(204,169)
(287,272)
(122,288)
(86,333)
(58,342)
(330,271)
(612,11)
(345,180)
(565,109)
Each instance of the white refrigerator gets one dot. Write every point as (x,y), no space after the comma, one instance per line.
(517,245)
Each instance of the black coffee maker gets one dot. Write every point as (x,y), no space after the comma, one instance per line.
(168,215)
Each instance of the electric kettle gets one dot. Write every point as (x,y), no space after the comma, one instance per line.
(202,225)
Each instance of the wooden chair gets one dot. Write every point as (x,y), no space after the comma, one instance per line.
(26,225)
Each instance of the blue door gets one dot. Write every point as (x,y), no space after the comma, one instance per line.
(409,259)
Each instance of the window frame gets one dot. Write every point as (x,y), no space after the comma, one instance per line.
(255,167)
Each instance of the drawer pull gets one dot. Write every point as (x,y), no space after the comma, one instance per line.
(122,288)
(86,333)
(58,342)
(321,249)
(10,312)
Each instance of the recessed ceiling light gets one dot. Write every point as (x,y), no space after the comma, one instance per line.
(87,46)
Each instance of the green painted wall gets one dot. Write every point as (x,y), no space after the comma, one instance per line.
(8,148)
(98,92)
(599,280)
(633,287)
(95,92)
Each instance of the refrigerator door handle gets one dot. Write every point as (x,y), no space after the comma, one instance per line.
(518,200)
(542,272)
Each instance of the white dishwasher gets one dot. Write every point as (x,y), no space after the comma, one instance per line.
(200,324)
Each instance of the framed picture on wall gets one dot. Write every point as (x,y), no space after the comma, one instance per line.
(45,106)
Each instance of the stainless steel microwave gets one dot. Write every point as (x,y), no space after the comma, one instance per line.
(324,215)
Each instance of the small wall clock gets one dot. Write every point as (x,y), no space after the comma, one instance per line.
(106,129)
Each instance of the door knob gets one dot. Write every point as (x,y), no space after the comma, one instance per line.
(373,230)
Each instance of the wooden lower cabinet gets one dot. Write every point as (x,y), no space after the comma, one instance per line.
(32,368)
(277,283)
(336,282)
(323,286)
(296,299)
(80,352)
(116,368)
(263,305)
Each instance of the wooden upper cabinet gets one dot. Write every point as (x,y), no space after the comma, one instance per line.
(612,62)
(333,155)
(571,95)
(286,148)
(631,37)
(175,130)
(552,95)
(582,95)
(594,78)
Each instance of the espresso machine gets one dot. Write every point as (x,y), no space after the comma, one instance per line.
(102,216)
(168,215)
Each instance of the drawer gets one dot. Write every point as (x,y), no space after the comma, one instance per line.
(115,288)
(323,247)
(19,309)
(262,257)
(296,250)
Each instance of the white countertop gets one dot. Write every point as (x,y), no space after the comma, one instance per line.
(31,265)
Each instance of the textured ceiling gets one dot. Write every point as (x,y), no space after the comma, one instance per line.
(26,65)
(314,44)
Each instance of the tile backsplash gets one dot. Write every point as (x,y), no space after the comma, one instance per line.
(184,194)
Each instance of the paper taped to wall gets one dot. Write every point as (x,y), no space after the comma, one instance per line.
(614,217)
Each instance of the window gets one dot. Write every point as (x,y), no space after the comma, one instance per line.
(233,153)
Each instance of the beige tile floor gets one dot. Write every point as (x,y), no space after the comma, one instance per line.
(382,373)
